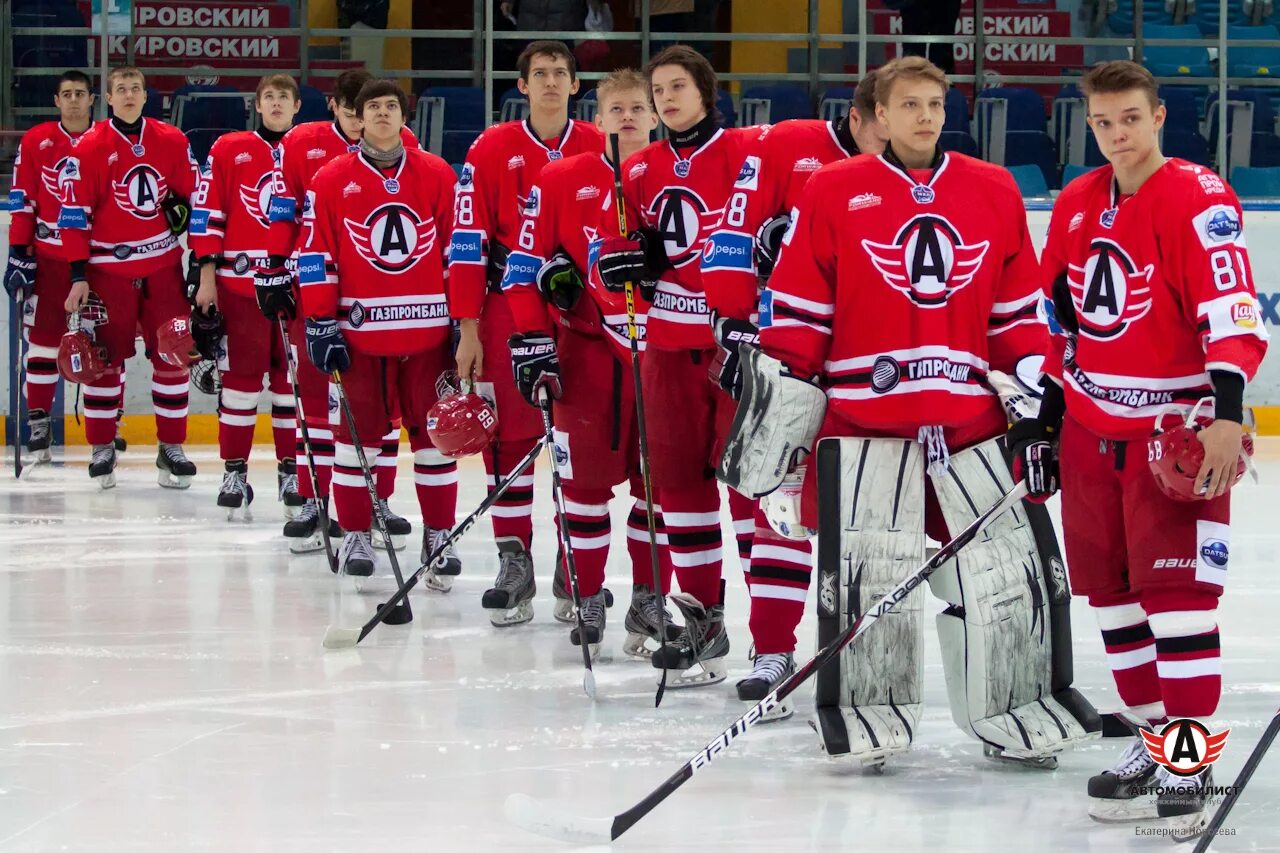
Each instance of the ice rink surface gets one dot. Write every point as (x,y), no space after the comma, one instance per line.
(163,688)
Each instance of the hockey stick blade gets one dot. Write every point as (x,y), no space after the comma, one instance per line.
(589,684)
(530,816)
(540,819)
(337,637)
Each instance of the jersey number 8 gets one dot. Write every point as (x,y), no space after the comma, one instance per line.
(736,214)
(1224,263)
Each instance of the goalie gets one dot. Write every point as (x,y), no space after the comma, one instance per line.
(905,280)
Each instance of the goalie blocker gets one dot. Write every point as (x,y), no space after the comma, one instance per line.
(1005,633)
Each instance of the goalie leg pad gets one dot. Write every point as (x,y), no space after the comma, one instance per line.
(870,536)
(777,417)
(1005,637)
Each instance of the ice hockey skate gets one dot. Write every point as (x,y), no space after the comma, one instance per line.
(303,530)
(1180,803)
(102,466)
(39,436)
(510,601)
(397,528)
(176,470)
(768,671)
(440,574)
(698,653)
(593,620)
(1125,792)
(287,488)
(643,622)
(564,597)
(235,491)
(355,556)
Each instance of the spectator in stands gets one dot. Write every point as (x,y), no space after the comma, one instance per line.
(929,18)
(548,15)
(667,16)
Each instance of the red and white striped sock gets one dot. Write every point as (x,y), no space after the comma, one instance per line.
(638,542)
(169,392)
(284,415)
(587,516)
(101,405)
(1188,653)
(42,377)
(350,493)
(435,478)
(512,514)
(322,451)
(743,510)
(1131,654)
(780,572)
(692,519)
(237,415)
(385,463)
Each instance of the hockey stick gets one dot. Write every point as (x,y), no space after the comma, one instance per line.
(562,520)
(541,819)
(1251,764)
(15,327)
(337,637)
(401,614)
(322,504)
(633,334)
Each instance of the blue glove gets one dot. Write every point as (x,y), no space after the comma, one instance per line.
(326,347)
(20,277)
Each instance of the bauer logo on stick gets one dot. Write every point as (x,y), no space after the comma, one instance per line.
(1185,747)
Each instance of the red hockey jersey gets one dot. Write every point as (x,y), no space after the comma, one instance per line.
(682,197)
(303,151)
(229,212)
(376,259)
(35,198)
(777,166)
(112,192)
(1162,291)
(563,213)
(502,166)
(901,295)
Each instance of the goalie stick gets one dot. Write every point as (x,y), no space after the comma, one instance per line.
(541,819)
(337,637)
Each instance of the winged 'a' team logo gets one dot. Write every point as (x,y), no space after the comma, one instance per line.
(1184,746)
(141,191)
(257,199)
(51,177)
(928,260)
(684,222)
(393,237)
(1110,292)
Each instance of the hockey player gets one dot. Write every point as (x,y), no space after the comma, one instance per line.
(1149,275)
(303,151)
(124,192)
(903,280)
(228,239)
(372,284)
(37,272)
(573,340)
(675,191)
(737,261)
(494,188)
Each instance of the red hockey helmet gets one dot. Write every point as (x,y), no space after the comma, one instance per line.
(461,424)
(1175,455)
(174,343)
(80,359)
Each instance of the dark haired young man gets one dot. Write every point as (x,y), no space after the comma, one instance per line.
(38,271)
(302,152)
(494,191)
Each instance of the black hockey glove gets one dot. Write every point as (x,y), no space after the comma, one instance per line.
(20,276)
(273,286)
(207,332)
(177,212)
(559,282)
(326,347)
(535,364)
(1034,447)
(636,258)
(769,243)
(730,335)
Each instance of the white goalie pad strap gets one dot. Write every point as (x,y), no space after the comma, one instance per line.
(778,416)
(996,637)
(871,535)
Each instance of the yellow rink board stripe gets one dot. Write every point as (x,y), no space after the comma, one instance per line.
(203,429)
